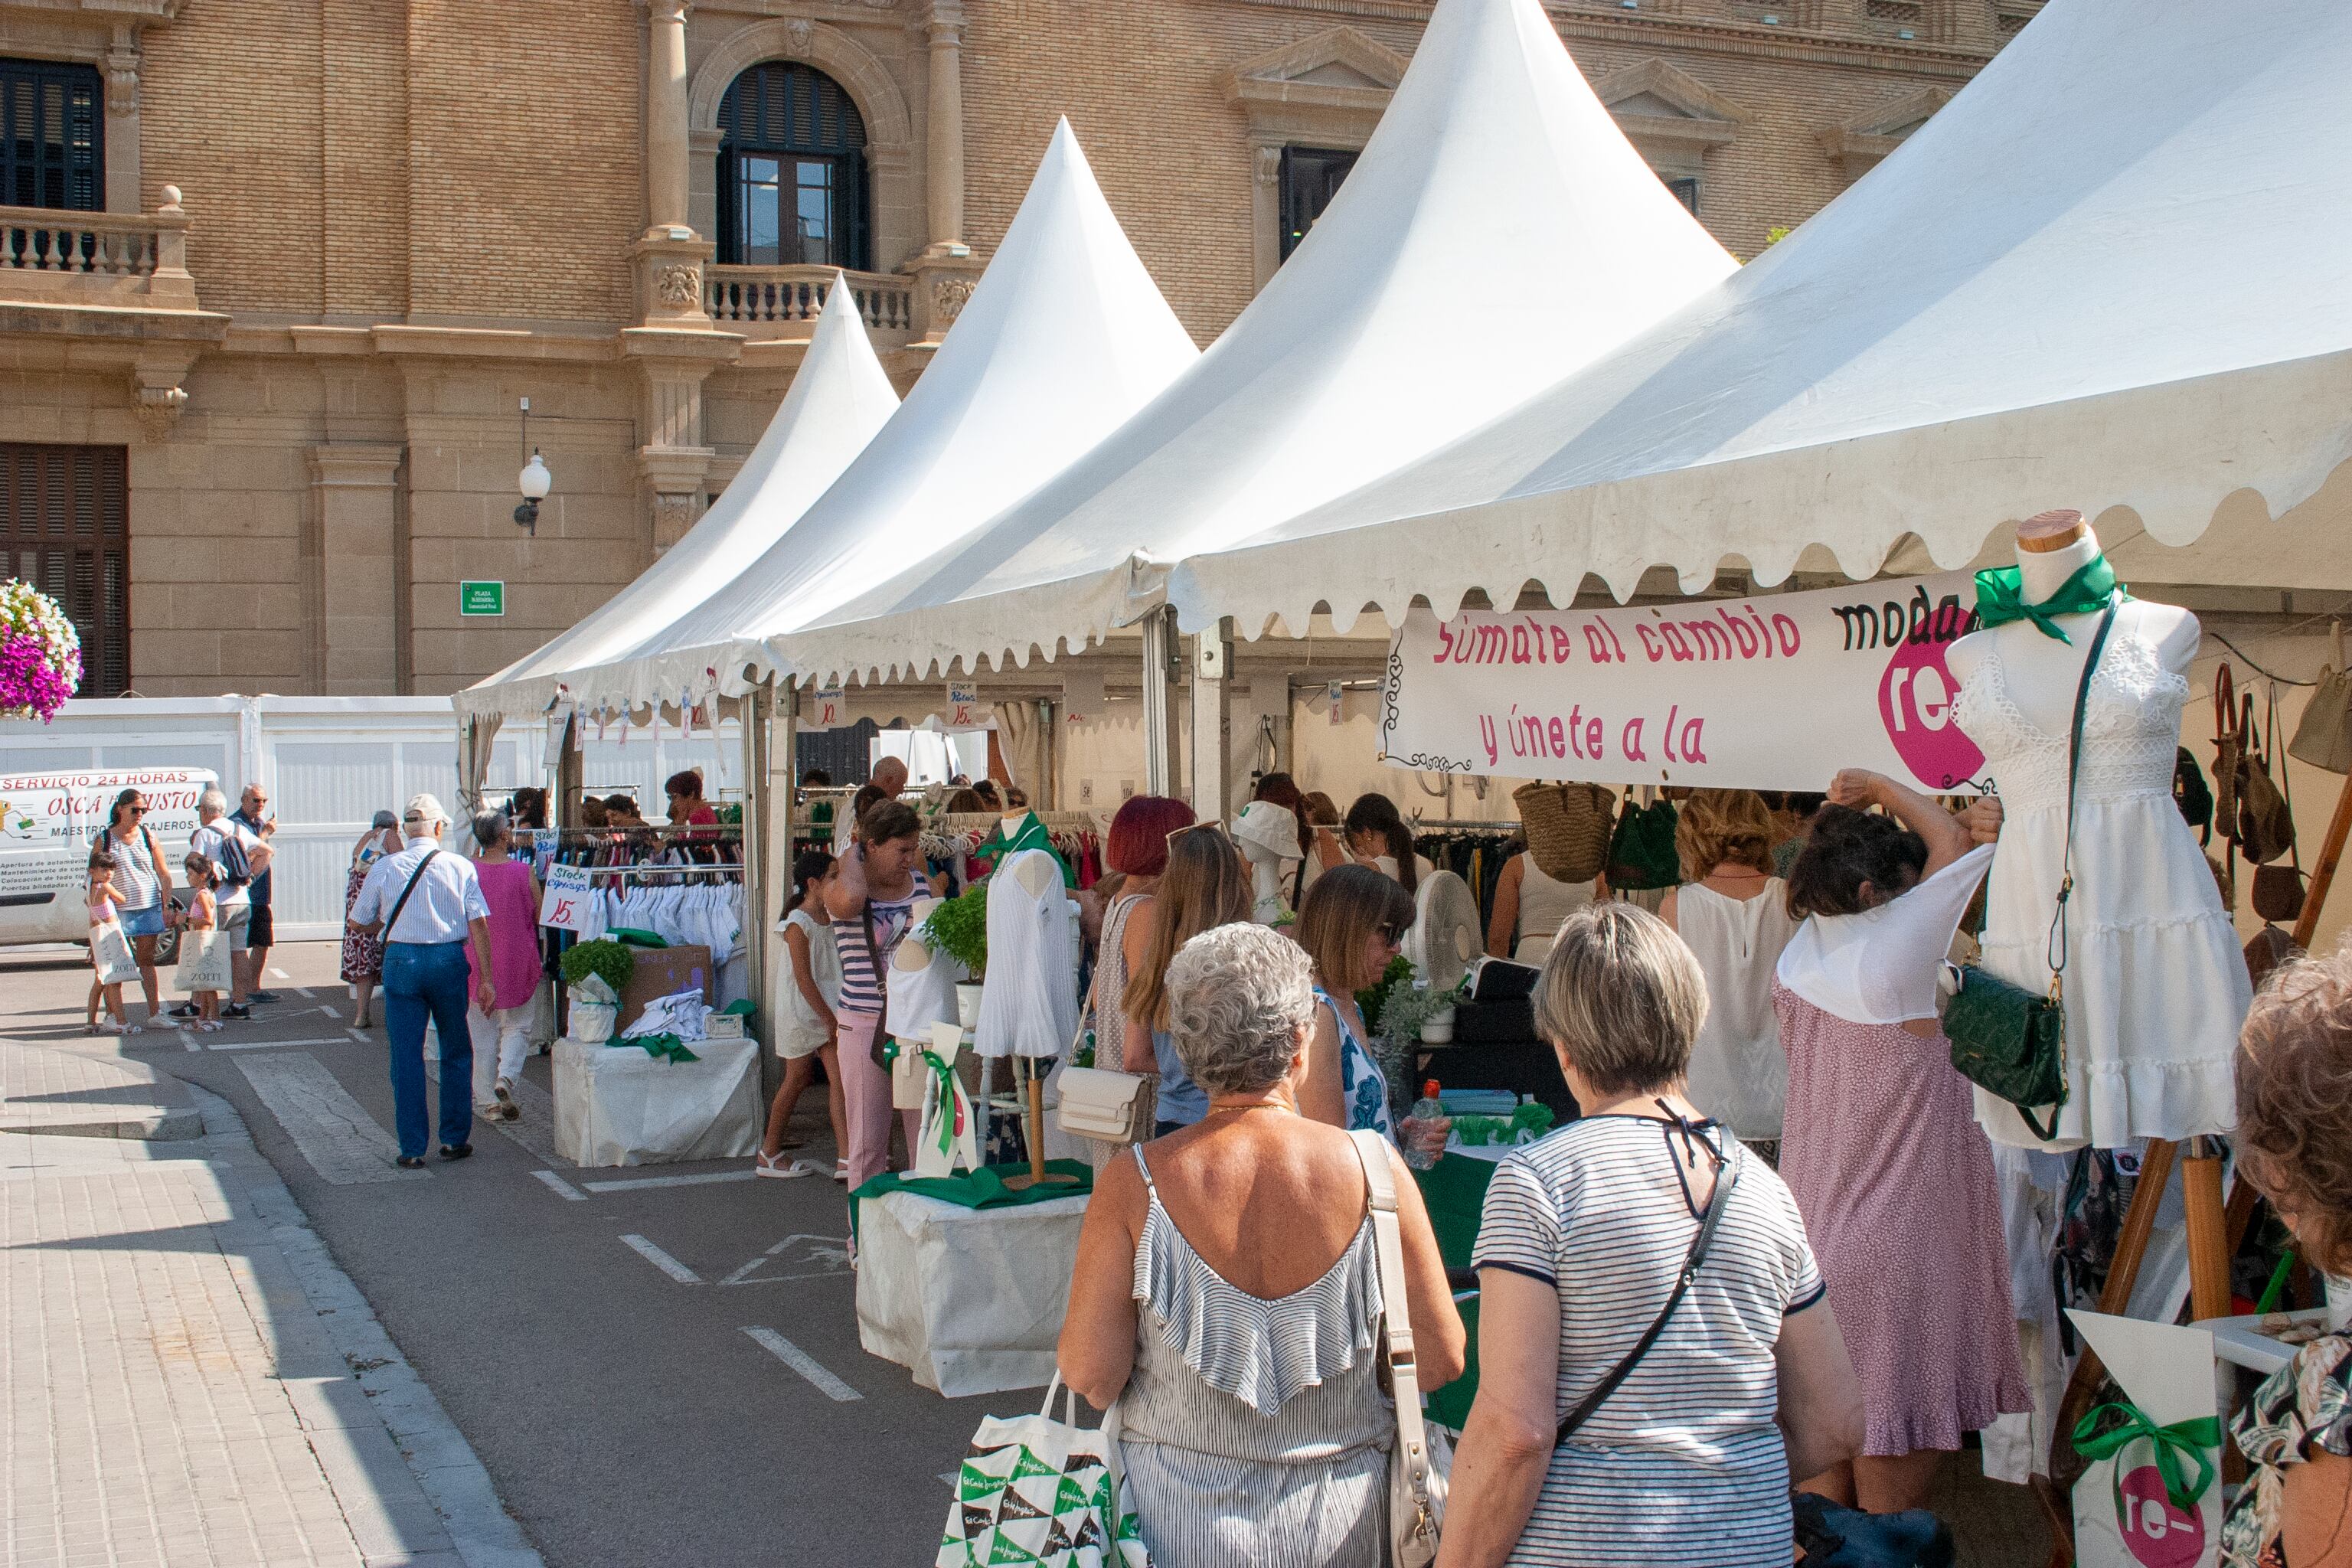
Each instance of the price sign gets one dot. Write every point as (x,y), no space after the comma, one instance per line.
(564,904)
(826,706)
(963,707)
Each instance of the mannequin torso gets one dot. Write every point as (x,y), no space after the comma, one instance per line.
(2041,673)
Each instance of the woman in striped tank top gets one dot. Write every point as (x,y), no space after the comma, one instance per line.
(1227,1287)
(872,898)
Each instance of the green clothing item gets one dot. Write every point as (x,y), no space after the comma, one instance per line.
(1030,834)
(980,1189)
(2000,598)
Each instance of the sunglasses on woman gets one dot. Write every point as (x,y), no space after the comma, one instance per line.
(1195,827)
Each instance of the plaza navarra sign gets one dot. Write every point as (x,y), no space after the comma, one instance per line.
(1774,692)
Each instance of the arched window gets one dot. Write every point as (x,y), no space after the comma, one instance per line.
(792,171)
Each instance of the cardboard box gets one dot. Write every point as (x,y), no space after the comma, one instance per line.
(659,971)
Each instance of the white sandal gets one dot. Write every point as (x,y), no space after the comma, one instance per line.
(777,1165)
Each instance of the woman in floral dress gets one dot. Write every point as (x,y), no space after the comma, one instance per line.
(362,952)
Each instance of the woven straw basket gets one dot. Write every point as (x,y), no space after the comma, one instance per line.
(1568,828)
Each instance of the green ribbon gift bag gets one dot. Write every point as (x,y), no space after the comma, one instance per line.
(1038,1490)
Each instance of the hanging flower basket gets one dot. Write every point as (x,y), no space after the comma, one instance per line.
(40,653)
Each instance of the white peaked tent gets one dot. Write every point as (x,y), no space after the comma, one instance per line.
(2114,271)
(840,397)
(1064,337)
(1497,231)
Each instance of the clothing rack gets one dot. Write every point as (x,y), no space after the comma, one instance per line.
(727,871)
(1460,824)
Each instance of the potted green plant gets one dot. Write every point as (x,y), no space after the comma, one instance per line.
(595,974)
(958,929)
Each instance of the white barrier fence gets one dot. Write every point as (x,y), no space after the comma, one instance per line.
(331,763)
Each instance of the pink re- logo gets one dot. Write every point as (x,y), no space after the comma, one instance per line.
(2155,1532)
(1915,703)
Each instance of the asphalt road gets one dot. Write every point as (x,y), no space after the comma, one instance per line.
(625,1417)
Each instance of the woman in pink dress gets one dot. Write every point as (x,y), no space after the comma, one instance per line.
(502,1037)
(1879,1141)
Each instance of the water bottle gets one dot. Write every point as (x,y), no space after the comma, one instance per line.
(1426,1130)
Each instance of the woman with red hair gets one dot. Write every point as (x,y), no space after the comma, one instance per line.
(1137,848)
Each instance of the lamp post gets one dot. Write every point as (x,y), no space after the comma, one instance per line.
(534,482)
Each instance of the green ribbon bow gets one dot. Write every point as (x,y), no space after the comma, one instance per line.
(2106,1431)
(2000,598)
(943,1085)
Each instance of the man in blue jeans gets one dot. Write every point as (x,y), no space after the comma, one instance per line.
(428,904)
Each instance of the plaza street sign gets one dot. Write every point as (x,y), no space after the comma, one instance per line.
(481,598)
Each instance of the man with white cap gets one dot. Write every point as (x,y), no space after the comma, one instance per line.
(428,904)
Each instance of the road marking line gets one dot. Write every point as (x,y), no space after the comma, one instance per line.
(189,1040)
(362,1038)
(303,991)
(830,1251)
(661,1260)
(562,1188)
(263,1045)
(801,1362)
(340,1140)
(639,1182)
(951,1476)
(279,973)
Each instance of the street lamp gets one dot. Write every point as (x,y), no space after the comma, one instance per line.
(534,482)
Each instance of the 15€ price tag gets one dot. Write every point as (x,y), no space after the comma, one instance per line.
(564,905)
(963,707)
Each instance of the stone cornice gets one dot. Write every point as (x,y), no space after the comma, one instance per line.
(1704,34)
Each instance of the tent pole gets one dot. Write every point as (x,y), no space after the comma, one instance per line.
(2323,870)
(752,712)
(1213,663)
(1158,731)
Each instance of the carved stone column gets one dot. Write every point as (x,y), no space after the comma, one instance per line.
(673,462)
(943,180)
(1265,210)
(122,122)
(665,112)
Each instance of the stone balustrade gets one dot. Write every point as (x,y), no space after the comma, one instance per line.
(51,256)
(784,302)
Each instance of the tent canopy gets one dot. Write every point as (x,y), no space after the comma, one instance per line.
(2115,271)
(1064,337)
(1497,229)
(840,397)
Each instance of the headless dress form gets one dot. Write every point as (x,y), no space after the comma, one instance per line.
(1031,1005)
(2155,988)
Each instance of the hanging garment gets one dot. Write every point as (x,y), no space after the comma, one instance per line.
(1031,1005)
(2156,987)
(1027,834)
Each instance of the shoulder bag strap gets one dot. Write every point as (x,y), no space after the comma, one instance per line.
(402,902)
(1721,1200)
(2057,945)
(1388,1243)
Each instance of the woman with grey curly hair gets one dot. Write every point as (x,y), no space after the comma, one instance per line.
(1227,1290)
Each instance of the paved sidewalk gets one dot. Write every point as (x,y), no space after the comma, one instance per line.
(186,1376)
(68,1093)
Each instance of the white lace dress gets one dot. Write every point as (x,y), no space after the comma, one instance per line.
(2156,987)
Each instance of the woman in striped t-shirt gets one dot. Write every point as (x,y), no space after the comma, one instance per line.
(1584,1234)
(872,898)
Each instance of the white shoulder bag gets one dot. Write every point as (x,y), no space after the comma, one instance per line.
(1419,1467)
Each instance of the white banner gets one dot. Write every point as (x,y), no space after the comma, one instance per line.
(565,903)
(1774,693)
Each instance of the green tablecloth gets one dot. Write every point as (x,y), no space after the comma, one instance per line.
(980,1189)
(1455,1189)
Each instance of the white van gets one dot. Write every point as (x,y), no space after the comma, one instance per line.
(47,823)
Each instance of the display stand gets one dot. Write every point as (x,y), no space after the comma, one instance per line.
(1030,1097)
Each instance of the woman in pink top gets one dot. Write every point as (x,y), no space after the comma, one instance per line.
(513,892)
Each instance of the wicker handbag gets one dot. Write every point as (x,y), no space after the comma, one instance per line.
(1567,827)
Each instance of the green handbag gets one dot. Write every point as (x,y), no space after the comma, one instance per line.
(1642,851)
(2005,1040)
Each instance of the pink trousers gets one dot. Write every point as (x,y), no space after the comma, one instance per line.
(865,1097)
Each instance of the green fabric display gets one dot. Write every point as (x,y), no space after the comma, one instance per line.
(661,1048)
(2000,598)
(980,1189)
(1031,835)
(2106,1431)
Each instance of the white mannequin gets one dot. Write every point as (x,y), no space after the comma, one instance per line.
(2042,673)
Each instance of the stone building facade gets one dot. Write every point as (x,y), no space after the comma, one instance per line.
(275,281)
